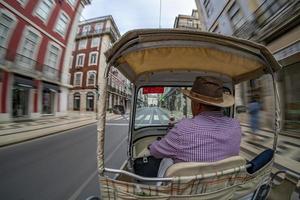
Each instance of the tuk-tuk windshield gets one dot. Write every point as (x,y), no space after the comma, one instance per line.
(159,106)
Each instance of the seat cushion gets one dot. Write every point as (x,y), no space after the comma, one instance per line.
(195,168)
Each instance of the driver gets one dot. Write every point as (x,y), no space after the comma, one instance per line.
(207,137)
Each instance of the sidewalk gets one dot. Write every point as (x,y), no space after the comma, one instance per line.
(16,132)
(287,154)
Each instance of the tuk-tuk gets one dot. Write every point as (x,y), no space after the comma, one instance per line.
(160,62)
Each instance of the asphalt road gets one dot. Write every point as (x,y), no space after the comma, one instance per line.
(151,115)
(61,166)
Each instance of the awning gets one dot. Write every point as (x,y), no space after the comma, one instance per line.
(23,81)
(50,87)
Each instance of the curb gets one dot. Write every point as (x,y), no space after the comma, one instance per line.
(20,140)
(17,141)
(45,127)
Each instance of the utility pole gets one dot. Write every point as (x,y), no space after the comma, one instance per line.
(159,13)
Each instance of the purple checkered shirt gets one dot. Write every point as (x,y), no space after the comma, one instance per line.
(207,137)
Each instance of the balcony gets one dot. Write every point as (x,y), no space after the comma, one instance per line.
(266,19)
(50,73)
(27,66)
(109,30)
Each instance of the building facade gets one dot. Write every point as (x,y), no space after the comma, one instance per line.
(276,25)
(34,44)
(193,21)
(94,37)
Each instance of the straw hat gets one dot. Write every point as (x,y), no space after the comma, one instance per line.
(209,90)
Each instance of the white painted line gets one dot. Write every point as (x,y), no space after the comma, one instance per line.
(156,117)
(139,117)
(85,183)
(122,167)
(76,194)
(147,117)
(152,111)
(114,151)
(118,118)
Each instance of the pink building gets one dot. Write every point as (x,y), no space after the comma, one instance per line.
(34,56)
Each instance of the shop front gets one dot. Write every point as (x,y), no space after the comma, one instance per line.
(76,104)
(21,96)
(49,95)
(90,100)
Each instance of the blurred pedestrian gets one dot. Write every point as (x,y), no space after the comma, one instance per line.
(254,108)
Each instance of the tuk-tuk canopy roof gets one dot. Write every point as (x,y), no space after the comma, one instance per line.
(148,51)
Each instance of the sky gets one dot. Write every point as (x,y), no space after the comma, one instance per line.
(132,14)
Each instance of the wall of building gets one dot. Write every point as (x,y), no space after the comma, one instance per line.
(283,42)
(38,74)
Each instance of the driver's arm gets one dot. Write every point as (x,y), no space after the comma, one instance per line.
(167,147)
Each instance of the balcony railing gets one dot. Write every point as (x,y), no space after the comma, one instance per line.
(265,18)
(98,31)
(27,65)
(2,55)
(50,72)
(24,63)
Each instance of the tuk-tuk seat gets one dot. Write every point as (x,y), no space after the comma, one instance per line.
(195,168)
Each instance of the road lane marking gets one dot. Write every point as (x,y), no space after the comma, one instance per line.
(114,151)
(76,194)
(147,118)
(139,117)
(156,118)
(118,118)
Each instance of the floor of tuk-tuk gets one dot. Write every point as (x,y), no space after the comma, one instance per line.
(284,191)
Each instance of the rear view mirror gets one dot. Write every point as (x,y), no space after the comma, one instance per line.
(241,109)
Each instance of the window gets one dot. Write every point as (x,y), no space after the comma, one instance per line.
(23,2)
(62,23)
(6,24)
(235,15)
(86,29)
(90,101)
(44,8)
(77,79)
(93,58)
(190,23)
(72,2)
(91,78)
(76,103)
(29,48)
(82,44)
(98,27)
(53,56)
(95,42)
(80,60)
(208,7)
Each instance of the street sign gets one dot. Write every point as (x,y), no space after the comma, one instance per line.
(153,90)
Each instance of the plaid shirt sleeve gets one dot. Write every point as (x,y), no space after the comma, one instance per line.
(167,147)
